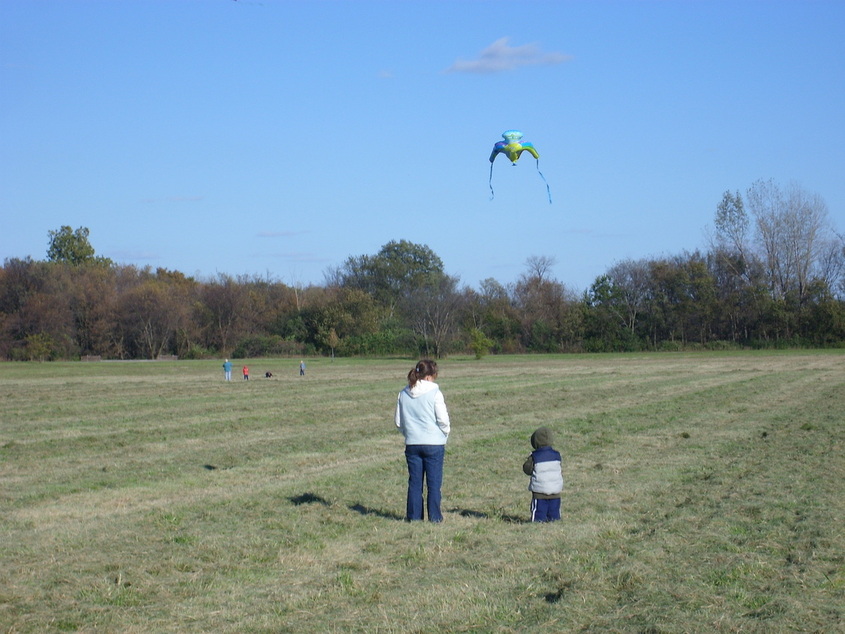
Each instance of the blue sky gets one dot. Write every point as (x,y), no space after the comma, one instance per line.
(278,138)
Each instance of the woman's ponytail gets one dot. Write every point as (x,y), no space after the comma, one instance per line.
(423,369)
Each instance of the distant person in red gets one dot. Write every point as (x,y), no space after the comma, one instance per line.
(246,373)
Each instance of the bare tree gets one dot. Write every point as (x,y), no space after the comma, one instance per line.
(539,266)
(434,309)
(731,242)
(831,265)
(630,279)
(792,230)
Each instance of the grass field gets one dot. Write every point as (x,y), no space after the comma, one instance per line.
(704,493)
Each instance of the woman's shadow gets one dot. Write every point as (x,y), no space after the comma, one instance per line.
(366,510)
(313,498)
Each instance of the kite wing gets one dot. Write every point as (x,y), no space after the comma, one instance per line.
(513,146)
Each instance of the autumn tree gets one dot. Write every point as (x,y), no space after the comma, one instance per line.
(349,315)
(497,317)
(35,309)
(222,312)
(94,305)
(609,318)
(550,321)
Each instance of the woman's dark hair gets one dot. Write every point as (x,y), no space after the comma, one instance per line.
(424,368)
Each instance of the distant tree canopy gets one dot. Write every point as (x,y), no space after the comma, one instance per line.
(393,274)
(773,276)
(72,247)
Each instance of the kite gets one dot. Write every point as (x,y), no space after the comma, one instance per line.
(513,146)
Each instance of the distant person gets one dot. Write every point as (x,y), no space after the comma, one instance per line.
(544,467)
(246,373)
(302,368)
(422,417)
(227,370)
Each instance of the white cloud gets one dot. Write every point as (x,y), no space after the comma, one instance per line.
(500,56)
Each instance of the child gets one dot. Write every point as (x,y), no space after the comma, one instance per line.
(543,465)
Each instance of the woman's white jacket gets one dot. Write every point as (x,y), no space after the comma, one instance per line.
(421,414)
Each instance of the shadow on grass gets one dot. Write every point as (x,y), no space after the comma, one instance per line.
(508,519)
(309,498)
(313,498)
(365,510)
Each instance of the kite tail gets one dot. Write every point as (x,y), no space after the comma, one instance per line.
(491,181)
(548,191)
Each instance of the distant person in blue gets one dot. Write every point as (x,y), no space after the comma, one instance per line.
(302,368)
(227,370)
(544,467)
(422,417)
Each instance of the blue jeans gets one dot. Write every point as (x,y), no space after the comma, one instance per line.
(425,462)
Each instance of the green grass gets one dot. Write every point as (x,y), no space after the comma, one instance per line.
(704,492)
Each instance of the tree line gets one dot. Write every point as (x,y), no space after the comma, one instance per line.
(773,275)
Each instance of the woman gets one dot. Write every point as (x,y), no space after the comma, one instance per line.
(422,416)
